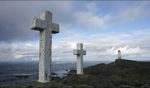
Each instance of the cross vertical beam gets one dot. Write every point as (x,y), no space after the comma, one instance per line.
(46,28)
(79,52)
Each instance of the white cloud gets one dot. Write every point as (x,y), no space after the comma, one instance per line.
(93,18)
(18,51)
(98,46)
(142,32)
(126,50)
(133,12)
(91,21)
(89,18)
(91,7)
(103,46)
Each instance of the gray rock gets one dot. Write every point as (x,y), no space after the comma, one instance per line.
(67,87)
(145,86)
(83,86)
(125,86)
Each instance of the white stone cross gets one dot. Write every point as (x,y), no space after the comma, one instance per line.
(79,52)
(46,28)
(119,54)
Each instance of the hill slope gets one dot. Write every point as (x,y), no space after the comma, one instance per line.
(119,74)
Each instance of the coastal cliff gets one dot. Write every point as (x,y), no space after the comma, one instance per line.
(119,74)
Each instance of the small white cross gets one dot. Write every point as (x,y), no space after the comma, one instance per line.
(79,52)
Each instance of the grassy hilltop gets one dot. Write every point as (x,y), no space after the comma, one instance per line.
(119,74)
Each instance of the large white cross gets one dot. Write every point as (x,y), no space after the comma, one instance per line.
(79,52)
(46,28)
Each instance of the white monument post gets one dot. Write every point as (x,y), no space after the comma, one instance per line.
(119,54)
(46,28)
(79,52)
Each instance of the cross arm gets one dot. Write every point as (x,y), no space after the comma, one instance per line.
(84,52)
(78,52)
(38,24)
(55,28)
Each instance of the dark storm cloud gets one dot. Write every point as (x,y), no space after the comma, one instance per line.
(15,18)
(10,31)
(15,32)
(14,22)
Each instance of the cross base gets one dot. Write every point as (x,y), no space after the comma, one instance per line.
(43,81)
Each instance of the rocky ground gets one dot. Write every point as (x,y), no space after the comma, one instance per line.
(119,74)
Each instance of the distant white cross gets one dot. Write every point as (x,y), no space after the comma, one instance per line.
(79,52)
(46,28)
(119,54)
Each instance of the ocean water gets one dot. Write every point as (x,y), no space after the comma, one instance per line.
(9,70)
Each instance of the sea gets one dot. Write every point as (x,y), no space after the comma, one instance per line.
(10,70)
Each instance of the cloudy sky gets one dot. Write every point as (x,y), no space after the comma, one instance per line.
(104,27)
